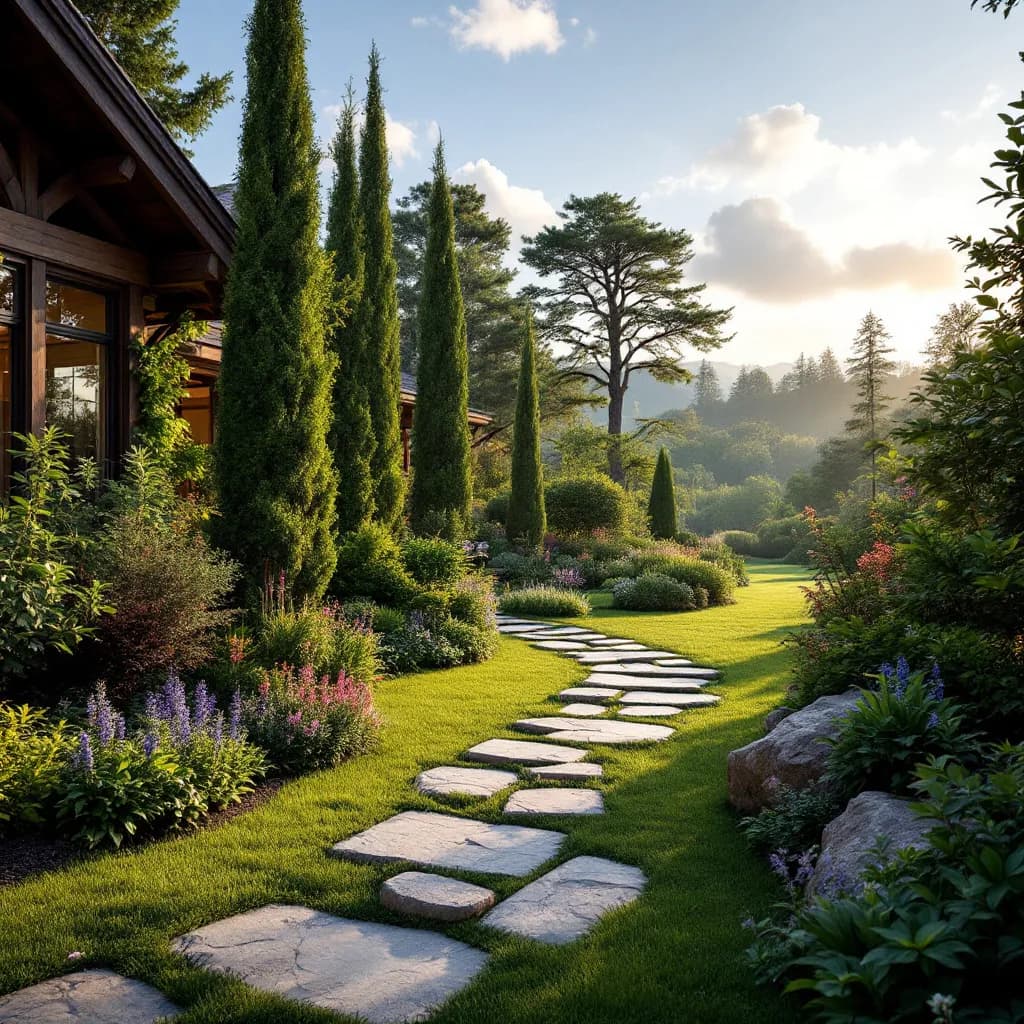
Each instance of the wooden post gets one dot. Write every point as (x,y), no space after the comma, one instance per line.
(35,364)
(133,322)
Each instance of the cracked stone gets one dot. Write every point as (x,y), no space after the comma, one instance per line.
(566,903)
(589,693)
(630,682)
(583,710)
(659,671)
(679,700)
(450,779)
(568,772)
(88,997)
(602,730)
(435,896)
(649,711)
(555,801)
(380,972)
(522,752)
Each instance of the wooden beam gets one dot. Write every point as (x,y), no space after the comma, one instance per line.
(108,170)
(33,237)
(28,172)
(181,269)
(10,182)
(101,218)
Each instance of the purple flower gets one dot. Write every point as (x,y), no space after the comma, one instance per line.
(235,720)
(119,726)
(84,759)
(936,685)
(749,923)
(804,868)
(933,720)
(902,676)
(150,743)
(218,729)
(201,706)
(777,862)
(101,715)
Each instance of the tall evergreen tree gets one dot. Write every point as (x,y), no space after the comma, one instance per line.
(351,435)
(376,315)
(829,370)
(955,332)
(275,476)
(707,392)
(661,511)
(140,34)
(526,515)
(870,368)
(441,485)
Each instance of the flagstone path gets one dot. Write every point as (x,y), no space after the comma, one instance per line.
(387,973)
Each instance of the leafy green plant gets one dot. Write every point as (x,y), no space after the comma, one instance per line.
(475,643)
(520,570)
(552,601)
(473,601)
(32,754)
(793,821)
(431,561)
(584,505)
(653,592)
(689,569)
(370,566)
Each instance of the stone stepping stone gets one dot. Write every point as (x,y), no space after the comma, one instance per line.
(445,841)
(613,641)
(673,663)
(649,711)
(516,628)
(583,710)
(426,895)
(95,996)
(380,972)
(568,772)
(660,672)
(615,657)
(566,903)
(522,752)
(559,645)
(450,780)
(555,630)
(618,646)
(588,693)
(511,620)
(602,730)
(626,682)
(555,801)
(679,700)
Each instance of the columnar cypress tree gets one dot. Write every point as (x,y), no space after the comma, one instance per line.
(526,515)
(275,476)
(376,317)
(351,436)
(662,508)
(442,488)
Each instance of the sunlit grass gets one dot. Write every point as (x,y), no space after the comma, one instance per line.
(673,956)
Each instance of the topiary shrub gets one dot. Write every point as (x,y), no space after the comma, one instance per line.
(585,505)
(370,565)
(718,582)
(743,542)
(653,592)
(431,561)
(496,510)
(551,601)
(473,642)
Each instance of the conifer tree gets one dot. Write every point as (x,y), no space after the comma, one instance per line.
(661,512)
(351,436)
(275,477)
(376,315)
(526,515)
(707,392)
(442,487)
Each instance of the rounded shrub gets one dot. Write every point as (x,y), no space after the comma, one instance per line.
(370,565)
(743,542)
(496,510)
(551,601)
(653,592)
(718,582)
(475,643)
(586,504)
(431,561)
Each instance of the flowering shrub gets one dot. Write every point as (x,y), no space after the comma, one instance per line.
(306,722)
(569,576)
(653,592)
(473,601)
(552,601)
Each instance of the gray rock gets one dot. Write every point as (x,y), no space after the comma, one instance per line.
(559,645)
(794,753)
(673,662)
(848,842)
(553,630)
(678,700)
(628,682)
(588,693)
(445,841)
(583,710)
(649,711)
(443,899)
(568,772)
(617,657)
(642,668)
(522,752)
(94,996)
(517,628)
(773,718)
(601,730)
(555,801)
(450,779)
(380,972)
(617,643)
(566,903)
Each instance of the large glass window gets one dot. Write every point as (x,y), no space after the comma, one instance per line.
(78,335)
(10,328)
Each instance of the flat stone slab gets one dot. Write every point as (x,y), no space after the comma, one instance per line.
(511,620)
(87,997)
(602,730)
(588,693)
(616,642)
(445,841)
(522,752)
(583,710)
(659,671)
(555,801)
(380,972)
(617,657)
(553,630)
(434,896)
(566,903)
(649,711)
(679,700)
(514,628)
(559,645)
(450,780)
(568,772)
(629,682)
(673,662)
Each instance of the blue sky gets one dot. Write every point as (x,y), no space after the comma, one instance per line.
(819,152)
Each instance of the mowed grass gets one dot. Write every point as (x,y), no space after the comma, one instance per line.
(672,956)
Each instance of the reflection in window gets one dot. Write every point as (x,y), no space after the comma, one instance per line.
(68,306)
(6,291)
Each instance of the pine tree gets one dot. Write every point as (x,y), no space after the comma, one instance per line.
(707,392)
(441,483)
(275,478)
(526,516)
(955,332)
(351,436)
(829,370)
(140,34)
(376,315)
(661,512)
(870,367)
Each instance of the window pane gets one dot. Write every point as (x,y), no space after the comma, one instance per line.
(76,392)
(7,291)
(67,306)
(6,441)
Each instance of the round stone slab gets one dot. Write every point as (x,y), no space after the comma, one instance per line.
(629,682)
(588,693)
(649,711)
(568,772)
(426,895)
(522,752)
(583,710)
(97,996)
(379,972)
(445,841)
(450,779)
(601,730)
(566,903)
(555,801)
(679,700)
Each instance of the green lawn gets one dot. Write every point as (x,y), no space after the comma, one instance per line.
(672,956)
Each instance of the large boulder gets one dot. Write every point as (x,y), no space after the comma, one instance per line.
(793,754)
(848,844)
(772,719)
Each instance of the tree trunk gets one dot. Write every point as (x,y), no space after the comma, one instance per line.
(615,397)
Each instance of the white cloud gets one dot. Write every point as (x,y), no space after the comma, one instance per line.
(589,37)
(989,98)
(507,27)
(401,137)
(419,21)
(526,209)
